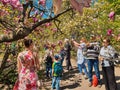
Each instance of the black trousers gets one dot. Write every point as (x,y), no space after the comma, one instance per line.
(68,63)
(109,78)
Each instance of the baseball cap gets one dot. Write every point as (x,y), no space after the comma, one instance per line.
(56,57)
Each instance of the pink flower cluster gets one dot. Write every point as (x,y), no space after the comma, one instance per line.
(48,24)
(109,32)
(54,29)
(14,3)
(42,2)
(3,12)
(5,1)
(35,19)
(112,15)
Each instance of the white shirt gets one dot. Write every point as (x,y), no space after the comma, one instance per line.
(107,52)
(80,57)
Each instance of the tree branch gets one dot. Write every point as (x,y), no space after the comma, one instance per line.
(6,55)
(50,19)
(25,31)
(6,24)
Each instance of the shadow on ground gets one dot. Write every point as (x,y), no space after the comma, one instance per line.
(70,86)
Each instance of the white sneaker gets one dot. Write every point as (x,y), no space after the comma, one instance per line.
(80,76)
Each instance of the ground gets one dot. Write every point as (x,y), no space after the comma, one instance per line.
(70,80)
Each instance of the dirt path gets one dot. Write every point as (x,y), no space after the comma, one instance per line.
(71,81)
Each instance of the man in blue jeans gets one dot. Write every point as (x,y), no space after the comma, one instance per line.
(92,57)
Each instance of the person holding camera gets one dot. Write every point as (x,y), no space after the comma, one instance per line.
(107,52)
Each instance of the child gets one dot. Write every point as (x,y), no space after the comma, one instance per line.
(57,72)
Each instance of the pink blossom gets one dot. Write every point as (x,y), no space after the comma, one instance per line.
(5,1)
(35,19)
(16,4)
(36,12)
(48,24)
(109,32)
(3,12)
(54,29)
(41,14)
(112,14)
(42,2)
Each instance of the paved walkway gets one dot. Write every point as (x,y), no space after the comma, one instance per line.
(70,80)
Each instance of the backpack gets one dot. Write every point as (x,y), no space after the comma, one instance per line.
(58,69)
(95,81)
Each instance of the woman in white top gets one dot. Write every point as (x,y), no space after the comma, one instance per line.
(80,56)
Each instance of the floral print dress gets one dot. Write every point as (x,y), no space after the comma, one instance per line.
(27,76)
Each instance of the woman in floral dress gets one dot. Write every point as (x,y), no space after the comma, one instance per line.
(27,63)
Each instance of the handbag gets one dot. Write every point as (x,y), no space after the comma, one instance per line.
(115,60)
(95,81)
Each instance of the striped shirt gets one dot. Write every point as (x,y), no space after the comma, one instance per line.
(93,51)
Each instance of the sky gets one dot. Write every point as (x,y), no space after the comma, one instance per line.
(48,6)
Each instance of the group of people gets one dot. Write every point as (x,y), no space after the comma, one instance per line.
(28,64)
(63,52)
(90,53)
(94,54)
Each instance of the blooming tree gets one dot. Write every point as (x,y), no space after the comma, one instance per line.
(42,19)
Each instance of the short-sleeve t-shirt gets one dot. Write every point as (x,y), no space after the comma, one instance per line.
(53,65)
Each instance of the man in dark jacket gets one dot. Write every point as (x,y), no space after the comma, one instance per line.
(67,48)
